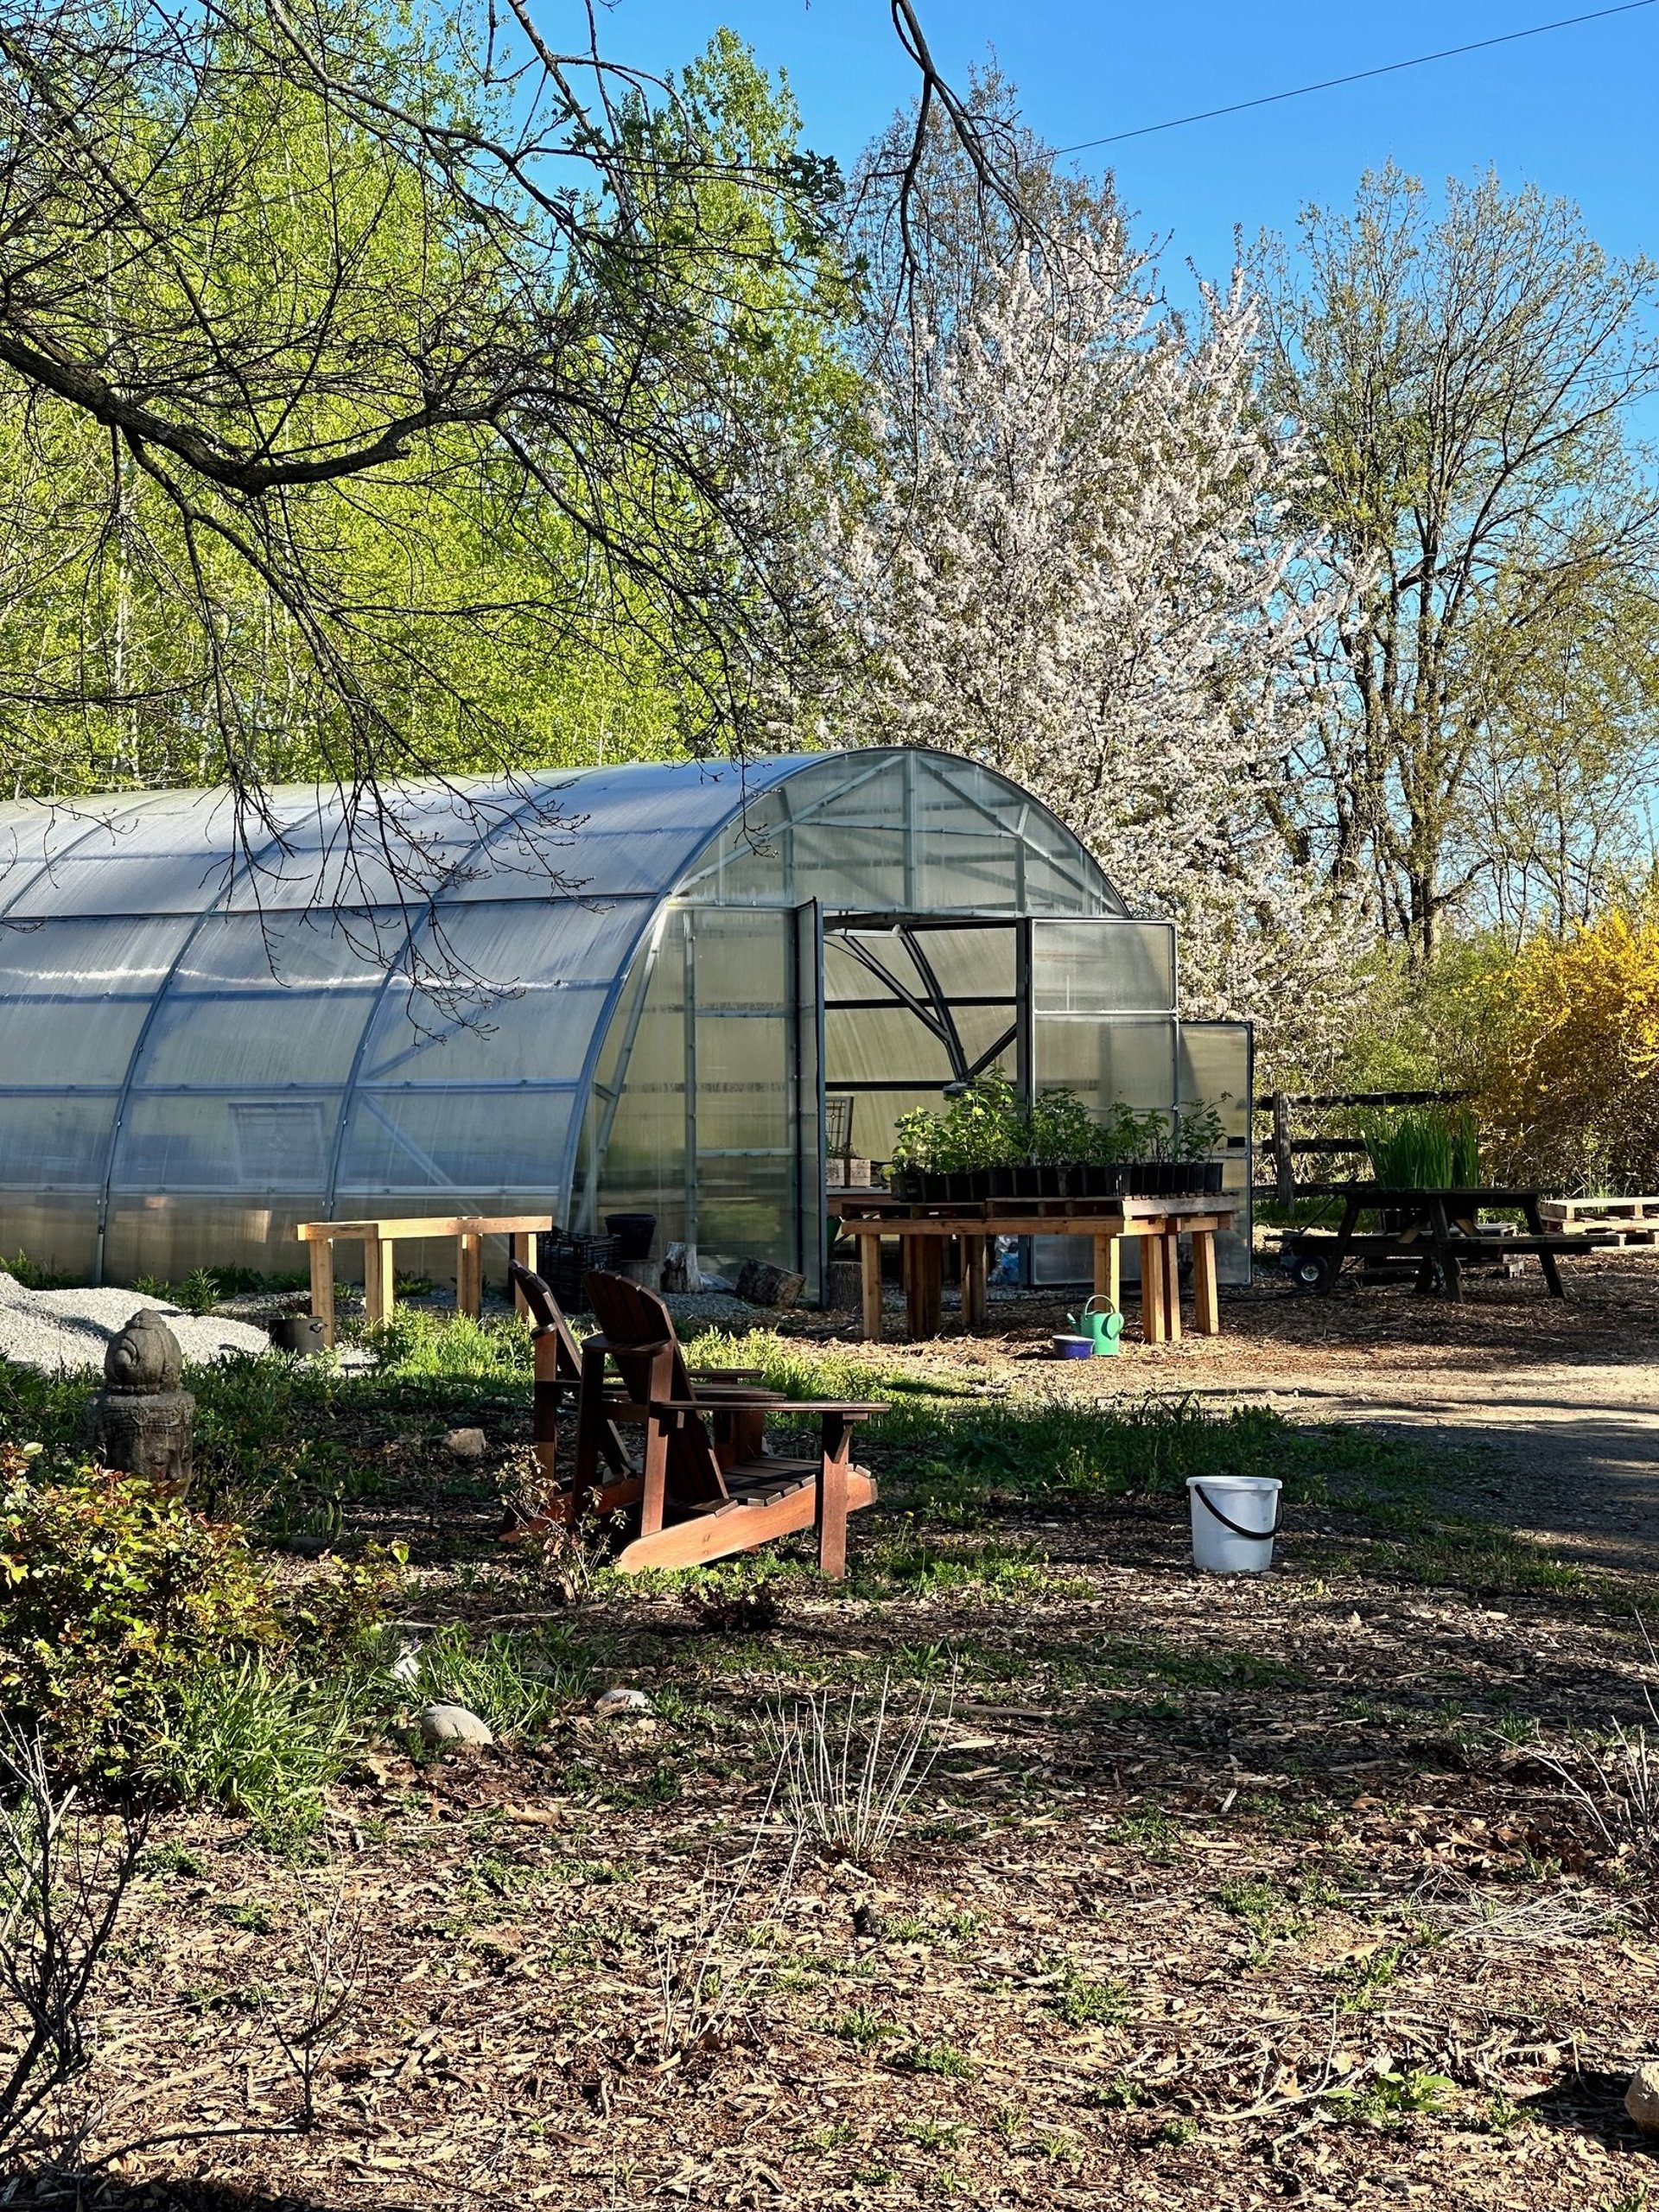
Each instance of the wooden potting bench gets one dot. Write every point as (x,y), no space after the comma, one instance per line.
(379,1240)
(1158,1224)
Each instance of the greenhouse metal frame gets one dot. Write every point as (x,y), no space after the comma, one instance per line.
(618,990)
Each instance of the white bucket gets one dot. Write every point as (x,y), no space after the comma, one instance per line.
(1235,1519)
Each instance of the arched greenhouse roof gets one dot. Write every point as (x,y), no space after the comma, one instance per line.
(323,1012)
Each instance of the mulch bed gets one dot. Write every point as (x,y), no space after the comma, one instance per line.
(1216,1881)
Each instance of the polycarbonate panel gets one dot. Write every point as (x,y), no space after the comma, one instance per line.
(203,1141)
(73,996)
(57,1229)
(167,1234)
(531,981)
(54,1141)
(472,1145)
(1104,967)
(882,1044)
(167,857)
(1105,1060)
(260,1003)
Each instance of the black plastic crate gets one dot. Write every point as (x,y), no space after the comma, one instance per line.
(561,1262)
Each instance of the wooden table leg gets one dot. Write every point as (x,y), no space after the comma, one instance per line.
(1108,1271)
(869,1279)
(1439,1230)
(1169,1249)
(379,1293)
(1345,1238)
(1151,1289)
(469,1275)
(974,1276)
(1207,1315)
(924,1285)
(1546,1260)
(521,1246)
(323,1285)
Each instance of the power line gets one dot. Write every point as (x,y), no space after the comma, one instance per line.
(1327,84)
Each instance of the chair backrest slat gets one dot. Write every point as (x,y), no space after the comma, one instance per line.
(629,1314)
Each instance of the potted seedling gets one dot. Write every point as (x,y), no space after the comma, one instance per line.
(1151,1153)
(915,1136)
(1198,1132)
(983,1125)
(1110,1142)
(1060,1138)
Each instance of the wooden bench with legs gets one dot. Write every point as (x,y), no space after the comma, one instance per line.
(708,1484)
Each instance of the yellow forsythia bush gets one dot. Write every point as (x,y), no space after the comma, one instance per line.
(1568,1088)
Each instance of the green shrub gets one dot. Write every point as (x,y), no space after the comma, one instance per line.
(113,1594)
(340,1613)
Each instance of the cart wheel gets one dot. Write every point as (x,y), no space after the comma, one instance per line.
(1309,1273)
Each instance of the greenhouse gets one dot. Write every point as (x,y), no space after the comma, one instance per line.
(660,987)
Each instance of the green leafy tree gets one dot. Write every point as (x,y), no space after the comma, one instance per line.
(1462,377)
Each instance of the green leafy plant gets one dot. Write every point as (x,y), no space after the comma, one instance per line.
(915,1139)
(1115,1136)
(338,1614)
(1199,1130)
(1423,1150)
(1060,1130)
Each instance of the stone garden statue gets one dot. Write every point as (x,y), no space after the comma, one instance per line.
(140,1421)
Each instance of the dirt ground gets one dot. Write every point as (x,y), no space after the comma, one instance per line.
(1219,1897)
(1562,1395)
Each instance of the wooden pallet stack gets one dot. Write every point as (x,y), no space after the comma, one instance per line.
(1618,1221)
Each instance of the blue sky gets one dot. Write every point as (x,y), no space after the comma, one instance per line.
(1570,111)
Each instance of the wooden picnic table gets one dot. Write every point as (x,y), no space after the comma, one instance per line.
(379,1239)
(1440,1230)
(1159,1224)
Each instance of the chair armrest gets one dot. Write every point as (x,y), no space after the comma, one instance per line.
(849,1409)
(627,1351)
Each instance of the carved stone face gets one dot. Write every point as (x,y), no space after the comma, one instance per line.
(145,1358)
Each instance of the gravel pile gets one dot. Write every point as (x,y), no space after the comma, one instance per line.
(70,1330)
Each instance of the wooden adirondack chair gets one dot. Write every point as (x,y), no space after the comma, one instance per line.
(558,1370)
(708,1484)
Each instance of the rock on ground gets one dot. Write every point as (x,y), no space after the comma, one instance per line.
(69,1331)
(453,1724)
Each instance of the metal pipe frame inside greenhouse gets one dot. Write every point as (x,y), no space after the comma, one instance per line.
(618,990)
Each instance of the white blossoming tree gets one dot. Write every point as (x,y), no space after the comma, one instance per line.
(1075,566)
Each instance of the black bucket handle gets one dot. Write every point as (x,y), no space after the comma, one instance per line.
(1254,1535)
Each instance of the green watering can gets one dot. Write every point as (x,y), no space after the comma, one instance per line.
(1104,1327)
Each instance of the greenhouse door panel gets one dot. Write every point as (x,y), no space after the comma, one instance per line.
(1218,1063)
(806,1087)
(745,1098)
(1099,1003)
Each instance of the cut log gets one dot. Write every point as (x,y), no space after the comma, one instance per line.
(760,1283)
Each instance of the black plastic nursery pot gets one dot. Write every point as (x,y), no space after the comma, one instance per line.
(634,1234)
(999,1182)
(1027,1180)
(304,1334)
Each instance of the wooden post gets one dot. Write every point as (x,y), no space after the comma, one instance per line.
(1207,1315)
(869,1277)
(469,1274)
(379,1292)
(323,1284)
(1283,1160)
(929,1277)
(832,1496)
(1152,1288)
